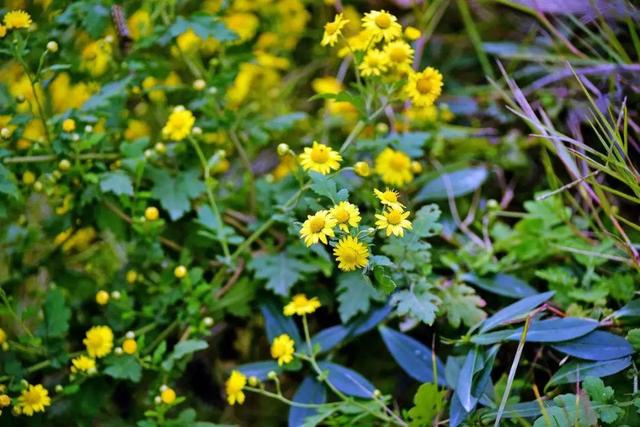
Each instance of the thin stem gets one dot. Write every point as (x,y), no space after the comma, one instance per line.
(360,126)
(283,399)
(54,157)
(211,197)
(32,82)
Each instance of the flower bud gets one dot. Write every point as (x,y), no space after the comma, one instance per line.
(52,46)
(102,297)
(180,272)
(362,168)
(5,133)
(64,165)
(199,84)
(283,149)
(115,295)
(196,130)
(208,321)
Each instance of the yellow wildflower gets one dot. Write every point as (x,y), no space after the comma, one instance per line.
(301,305)
(382,24)
(102,297)
(374,63)
(399,55)
(129,346)
(179,124)
(320,158)
(394,221)
(83,363)
(33,399)
(99,341)
(346,214)
(388,198)
(17,19)
(317,228)
(394,167)
(333,30)
(362,168)
(282,349)
(233,387)
(168,396)
(424,87)
(351,254)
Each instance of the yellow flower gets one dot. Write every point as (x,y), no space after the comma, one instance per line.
(301,305)
(69,125)
(357,43)
(33,399)
(140,24)
(136,129)
(326,84)
(394,167)
(394,221)
(317,228)
(320,158)
(179,124)
(102,297)
(28,178)
(129,346)
(168,396)
(189,42)
(3,31)
(233,387)
(282,349)
(3,336)
(5,400)
(244,25)
(399,54)
(17,19)
(389,198)
(83,363)
(180,272)
(374,63)
(151,213)
(351,254)
(424,87)
(132,276)
(412,33)
(96,57)
(416,167)
(362,168)
(333,30)
(382,24)
(99,341)
(346,214)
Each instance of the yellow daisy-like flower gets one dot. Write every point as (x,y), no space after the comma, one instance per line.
(399,54)
(326,84)
(362,168)
(374,63)
(351,254)
(357,43)
(394,167)
(320,158)
(233,387)
(179,124)
(301,305)
(282,349)
(318,227)
(99,341)
(83,364)
(394,221)
(3,31)
(33,399)
(382,24)
(424,87)
(333,30)
(3,336)
(346,214)
(389,198)
(17,19)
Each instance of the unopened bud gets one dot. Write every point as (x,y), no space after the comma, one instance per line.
(52,46)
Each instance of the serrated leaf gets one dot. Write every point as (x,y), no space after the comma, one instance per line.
(462,305)
(323,186)
(428,401)
(355,294)
(56,315)
(116,182)
(175,193)
(420,306)
(281,271)
(124,367)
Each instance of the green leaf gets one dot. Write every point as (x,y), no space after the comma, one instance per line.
(421,306)
(515,311)
(323,186)
(575,370)
(568,414)
(355,294)
(204,25)
(56,315)
(633,336)
(501,284)
(187,347)
(124,368)
(428,402)
(116,182)
(454,184)
(462,305)
(174,193)
(106,94)
(281,271)
(7,183)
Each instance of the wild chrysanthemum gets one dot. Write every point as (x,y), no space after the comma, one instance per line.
(394,221)
(394,167)
(317,228)
(424,87)
(351,254)
(399,55)
(382,25)
(301,305)
(333,30)
(233,387)
(17,19)
(357,43)
(99,341)
(374,63)
(282,349)
(346,214)
(179,124)
(320,158)
(388,198)
(83,363)
(33,399)
(3,31)
(168,395)
(362,168)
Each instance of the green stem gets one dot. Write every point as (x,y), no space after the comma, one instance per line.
(54,157)
(211,197)
(287,401)
(360,126)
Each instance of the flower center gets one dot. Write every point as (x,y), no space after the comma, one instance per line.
(341,215)
(390,197)
(320,155)
(398,162)
(397,55)
(350,255)
(31,397)
(383,21)
(394,217)
(331,28)
(424,85)
(316,225)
